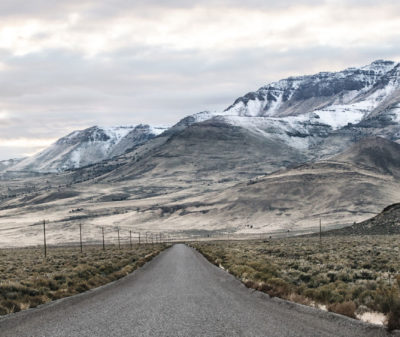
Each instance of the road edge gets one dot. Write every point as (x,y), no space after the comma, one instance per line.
(82,296)
(301,308)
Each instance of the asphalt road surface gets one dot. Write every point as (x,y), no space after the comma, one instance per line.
(179,293)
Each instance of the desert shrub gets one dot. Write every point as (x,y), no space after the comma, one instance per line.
(327,294)
(28,280)
(278,287)
(241,271)
(364,275)
(7,290)
(251,284)
(264,267)
(60,278)
(394,315)
(346,272)
(3,310)
(388,302)
(82,286)
(11,305)
(346,308)
(299,299)
(305,277)
(332,276)
(345,277)
(397,278)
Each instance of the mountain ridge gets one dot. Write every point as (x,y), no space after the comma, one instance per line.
(88,146)
(345,107)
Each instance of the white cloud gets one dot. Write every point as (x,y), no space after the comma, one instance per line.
(212,29)
(4,115)
(26,142)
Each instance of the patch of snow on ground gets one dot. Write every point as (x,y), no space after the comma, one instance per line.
(322,307)
(372,317)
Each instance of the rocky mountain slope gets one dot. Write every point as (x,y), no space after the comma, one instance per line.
(85,147)
(386,222)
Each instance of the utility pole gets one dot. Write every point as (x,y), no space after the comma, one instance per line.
(139,238)
(80,236)
(44,238)
(119,242)
(102,231)
(320,233)
(130,238)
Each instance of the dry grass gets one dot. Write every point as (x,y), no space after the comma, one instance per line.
(342,274)
(28,280)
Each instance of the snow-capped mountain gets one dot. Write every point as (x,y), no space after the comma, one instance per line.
(89,146)
(310,117)
(303,111)
(337,98)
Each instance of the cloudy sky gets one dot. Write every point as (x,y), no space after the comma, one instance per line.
(67,65)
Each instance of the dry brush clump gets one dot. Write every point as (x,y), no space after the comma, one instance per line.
(28,279)
(343,274)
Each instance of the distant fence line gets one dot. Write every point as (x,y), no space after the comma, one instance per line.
(133,237)
(123,236)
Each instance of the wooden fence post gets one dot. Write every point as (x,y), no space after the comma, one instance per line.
(119,242)
(80,236)
(320,233)
(44,238)
(102,231)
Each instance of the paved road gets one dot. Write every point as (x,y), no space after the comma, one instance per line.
(178,294)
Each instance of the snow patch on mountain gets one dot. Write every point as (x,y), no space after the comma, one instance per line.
(295,131)
(157,130)
(379,66)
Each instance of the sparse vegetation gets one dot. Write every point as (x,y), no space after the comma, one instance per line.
(343,274)
(28,279)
